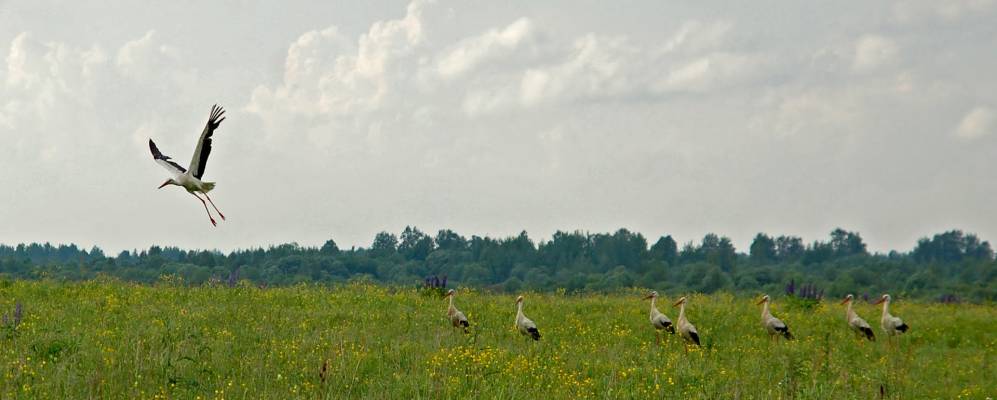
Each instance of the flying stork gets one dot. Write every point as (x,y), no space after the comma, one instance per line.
(190,178)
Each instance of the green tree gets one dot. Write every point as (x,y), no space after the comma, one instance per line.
(449,240)
(385,244)
(415,245)
(845,243)
(330,248)
(763,249)
(789,248)
(665,249)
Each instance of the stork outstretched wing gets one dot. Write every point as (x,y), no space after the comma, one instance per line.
(165,160)
(200,159)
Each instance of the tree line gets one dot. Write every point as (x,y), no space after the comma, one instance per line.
(952,265)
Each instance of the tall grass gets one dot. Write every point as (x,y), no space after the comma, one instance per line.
(120,340)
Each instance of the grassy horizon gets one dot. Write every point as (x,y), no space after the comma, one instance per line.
(108,339)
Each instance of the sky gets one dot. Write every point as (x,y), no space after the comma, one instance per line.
(345,119)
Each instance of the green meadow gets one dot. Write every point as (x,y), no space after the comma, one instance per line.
(109,339)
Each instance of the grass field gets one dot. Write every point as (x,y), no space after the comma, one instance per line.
(119,340)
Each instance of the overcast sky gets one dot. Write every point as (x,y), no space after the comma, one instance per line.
(349,118)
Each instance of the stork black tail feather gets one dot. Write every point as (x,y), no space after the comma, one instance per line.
(534,333)
(903,328)
(868,334)
(785,332)
(465,324)
(695,338)
(670,328)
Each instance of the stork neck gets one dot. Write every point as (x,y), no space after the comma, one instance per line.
(652,305)
(886,307)
(451,301)
(765,310)
(682,310)
(848,310)
(519,309)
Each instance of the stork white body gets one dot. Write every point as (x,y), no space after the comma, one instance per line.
(457,318)
(855,322)
(774,326)
(686,329)
(658,320)
(893,326)
(190,178)
(525,325)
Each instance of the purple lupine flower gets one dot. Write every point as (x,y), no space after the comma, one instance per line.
(233,277)
(444,284)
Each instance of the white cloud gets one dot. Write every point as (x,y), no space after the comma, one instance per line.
(873,51)
(330,79)
(696,35)
(327,74)
(59,100)
(145,57)
(611,68)
(978,122)
(710,72)
(471,52)
(595,70)
(912,11)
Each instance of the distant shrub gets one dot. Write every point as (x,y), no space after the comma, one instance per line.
(9,322)
(434,285)
(806,296)
(948,299)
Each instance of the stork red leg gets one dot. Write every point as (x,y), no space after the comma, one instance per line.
(213,206)
(206,209)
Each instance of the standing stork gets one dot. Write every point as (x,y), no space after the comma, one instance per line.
(658,320)
(856,322)
(457,318)
(525,325)
(686,329)
(190,178)
(772,324)
(893,326)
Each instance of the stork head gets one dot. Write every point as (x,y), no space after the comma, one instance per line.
(765,299)
(451,292)
(519,299)
(652,295)
(681,300)
(847,299)
(168,182)
(884,299)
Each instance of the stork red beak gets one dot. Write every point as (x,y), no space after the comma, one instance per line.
(881,300)
(846,300)
(647,297)
(164,184)
(760,301)
(677,303)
